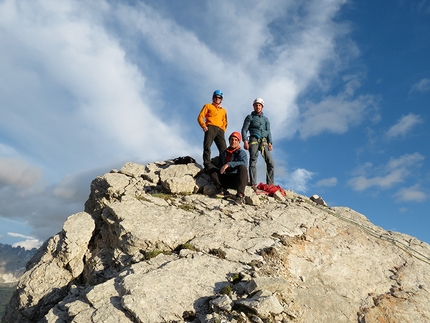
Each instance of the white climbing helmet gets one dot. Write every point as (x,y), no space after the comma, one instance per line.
(258,100)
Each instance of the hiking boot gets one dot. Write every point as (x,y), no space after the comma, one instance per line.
(222,193)
(240,199)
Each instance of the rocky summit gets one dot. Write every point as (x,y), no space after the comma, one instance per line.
(153,244)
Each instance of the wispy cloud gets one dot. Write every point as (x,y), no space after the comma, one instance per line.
(19,235)
(327,182)
(336,114)
(18,172)
(404,125)
(421,86)
(88,86)
(97,93)
(394,172)
(298,180)
(105,84)
(411,194)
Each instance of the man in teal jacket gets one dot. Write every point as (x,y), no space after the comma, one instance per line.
(260,139)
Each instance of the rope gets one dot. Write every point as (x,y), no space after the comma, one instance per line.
(401,245)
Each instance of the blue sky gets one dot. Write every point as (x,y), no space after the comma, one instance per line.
(86,87)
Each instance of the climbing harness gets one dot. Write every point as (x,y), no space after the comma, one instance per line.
(261,142)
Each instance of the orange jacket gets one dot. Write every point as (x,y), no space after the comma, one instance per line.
(211,115)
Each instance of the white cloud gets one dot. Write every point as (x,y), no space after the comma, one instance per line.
(258,63)
(404,125)
(327,182)
(421,86)
(84,85)
(7,151)
(76,187)
(335,114)
(28,244)
(298,180)
(361,183)
(394,172)
(411,194)
(405,161)
(19,235)
(41,212)
(97,82)
(78,89)
(18,172)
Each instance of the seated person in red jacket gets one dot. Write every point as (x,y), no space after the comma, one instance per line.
(232,171)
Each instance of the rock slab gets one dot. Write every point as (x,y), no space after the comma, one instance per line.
(150,246)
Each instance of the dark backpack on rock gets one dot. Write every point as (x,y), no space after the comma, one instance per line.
(184,160)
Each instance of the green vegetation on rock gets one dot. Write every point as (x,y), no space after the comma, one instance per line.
(5,295)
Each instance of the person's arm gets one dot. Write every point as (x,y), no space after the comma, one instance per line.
(201,118)
(269,134)
(241,159)
(225,121)
(244,131)
(222,162)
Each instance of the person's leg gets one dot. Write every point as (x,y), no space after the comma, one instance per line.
(225,180)
(220,140)
(228,180)
(214,174)
(207,143)
(241,179)
(270,166)
(253,157)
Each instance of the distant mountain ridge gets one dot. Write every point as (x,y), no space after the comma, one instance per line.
(153,245)
(12,262)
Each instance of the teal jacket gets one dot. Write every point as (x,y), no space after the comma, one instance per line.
(239,157)
(258,126)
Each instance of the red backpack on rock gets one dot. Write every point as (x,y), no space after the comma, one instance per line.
(270,189)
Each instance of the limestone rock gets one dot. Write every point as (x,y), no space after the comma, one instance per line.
(252,199)
(263,303)
(134,170)
(144,252)
(272,284)
(278,196)
(185,184)
(57,263)
(221,303)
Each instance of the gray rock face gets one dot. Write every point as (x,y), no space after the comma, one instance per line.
(150,247)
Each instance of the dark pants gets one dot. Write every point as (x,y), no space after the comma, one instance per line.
(235,181)
(213,134)
(255,146)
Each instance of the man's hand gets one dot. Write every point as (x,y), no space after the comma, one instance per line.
(223,168)
(245,145)
(205,129)
(270,146)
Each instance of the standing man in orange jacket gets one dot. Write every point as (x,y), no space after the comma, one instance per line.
(213,120)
